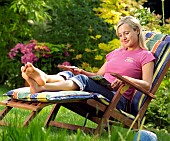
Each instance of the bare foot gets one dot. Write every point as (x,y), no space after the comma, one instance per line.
(23,68)
(35,74)
(34,87)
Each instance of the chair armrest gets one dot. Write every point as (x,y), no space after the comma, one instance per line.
(137,87)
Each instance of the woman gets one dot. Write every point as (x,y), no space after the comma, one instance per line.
(131,60)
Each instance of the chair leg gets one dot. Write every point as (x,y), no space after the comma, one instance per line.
(31,117)
(52,114)
(101,126)
(3,113)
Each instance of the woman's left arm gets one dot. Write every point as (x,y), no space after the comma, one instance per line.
(147,76)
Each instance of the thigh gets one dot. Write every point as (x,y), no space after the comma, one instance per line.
(87,84)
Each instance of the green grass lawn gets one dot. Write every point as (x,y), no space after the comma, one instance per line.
(36,132)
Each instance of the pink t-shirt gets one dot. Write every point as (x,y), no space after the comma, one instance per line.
(127,63)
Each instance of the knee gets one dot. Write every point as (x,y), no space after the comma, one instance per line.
(82,78)
(66,74)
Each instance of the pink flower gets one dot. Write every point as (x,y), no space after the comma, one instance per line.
(46,51)
(18,46)
(30,57)
(13,52)
(66,63)
(46,55)
(30,52)
(45,48)
(66,54)
(27,48)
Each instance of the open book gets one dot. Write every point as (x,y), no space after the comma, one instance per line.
(102,81)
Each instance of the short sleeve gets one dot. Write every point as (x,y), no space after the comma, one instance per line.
(147,57)
(111,54)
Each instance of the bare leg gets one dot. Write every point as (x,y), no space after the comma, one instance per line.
(54,78)
(67,85)
(39,76)
(64,85)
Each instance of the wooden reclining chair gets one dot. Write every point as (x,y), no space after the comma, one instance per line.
(100,111)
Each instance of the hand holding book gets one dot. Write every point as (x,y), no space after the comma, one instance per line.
(102,81)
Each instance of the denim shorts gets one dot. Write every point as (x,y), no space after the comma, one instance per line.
(87,84)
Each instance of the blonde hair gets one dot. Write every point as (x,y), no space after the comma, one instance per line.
(135,25)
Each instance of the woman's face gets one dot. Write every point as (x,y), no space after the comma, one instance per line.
(128,37)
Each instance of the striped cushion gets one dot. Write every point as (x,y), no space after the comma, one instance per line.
(167,38)
(24,95)
(154,36)
(161,50)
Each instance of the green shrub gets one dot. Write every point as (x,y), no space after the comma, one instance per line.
(15,28)
(75,23)
(158,113)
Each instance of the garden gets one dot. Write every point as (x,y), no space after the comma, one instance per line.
(71,32)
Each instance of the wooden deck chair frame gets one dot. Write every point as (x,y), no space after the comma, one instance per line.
(91,109)
(108,112)
(33,107)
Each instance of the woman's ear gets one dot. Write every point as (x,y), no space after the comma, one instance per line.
(138,31)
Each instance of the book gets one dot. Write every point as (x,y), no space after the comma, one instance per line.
(102,81)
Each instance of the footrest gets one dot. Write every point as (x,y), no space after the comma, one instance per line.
(33,106)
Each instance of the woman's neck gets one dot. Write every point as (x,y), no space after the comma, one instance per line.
(132,48)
